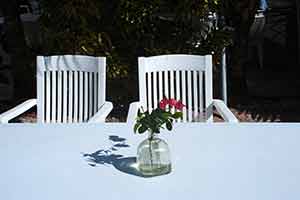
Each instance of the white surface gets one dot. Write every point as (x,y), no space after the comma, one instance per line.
(210,161)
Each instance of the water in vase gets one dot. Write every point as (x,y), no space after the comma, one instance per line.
(153,157)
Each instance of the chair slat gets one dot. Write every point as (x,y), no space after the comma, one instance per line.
(201,96)
(65,100)
(90,95)
(75,100)
(80,96)
(86,93)
(195,96)
(155,101)
(59,96)
(95,92)
(178,86)
(172,89)
(70,100)
(178,97)
(48,102)
(166,83)
(160,83)
(184,101)
(189,94)
(149,92)
(53,95)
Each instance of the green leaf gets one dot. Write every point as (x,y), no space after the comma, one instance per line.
(177,115)
(136,126)
(169,126)
(166,115)
(156,130)
(139,114)
(142,129)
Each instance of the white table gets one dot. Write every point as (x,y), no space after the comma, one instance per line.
(210,162)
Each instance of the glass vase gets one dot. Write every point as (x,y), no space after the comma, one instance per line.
(153,157)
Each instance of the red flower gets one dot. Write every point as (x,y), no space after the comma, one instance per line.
(179,105)
(172,102)
(163,103)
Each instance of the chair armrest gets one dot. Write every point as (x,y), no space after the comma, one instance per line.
(224,111)
(132,112)
(16,111)
(102,113)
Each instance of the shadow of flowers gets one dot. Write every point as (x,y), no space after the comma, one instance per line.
(110,156)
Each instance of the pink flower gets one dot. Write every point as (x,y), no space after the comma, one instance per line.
(172,102)
(179,105)
(163,103)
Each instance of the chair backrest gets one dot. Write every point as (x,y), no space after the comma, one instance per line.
(183,77)
(70,88)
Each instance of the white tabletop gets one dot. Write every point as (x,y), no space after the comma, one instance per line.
(210,162)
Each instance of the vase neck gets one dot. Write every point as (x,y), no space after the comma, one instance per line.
(151,135)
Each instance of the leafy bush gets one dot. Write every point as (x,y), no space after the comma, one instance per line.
(122,30)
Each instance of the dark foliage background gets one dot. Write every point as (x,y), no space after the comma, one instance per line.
(122,30)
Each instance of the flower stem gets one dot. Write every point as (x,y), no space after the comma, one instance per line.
(150,148)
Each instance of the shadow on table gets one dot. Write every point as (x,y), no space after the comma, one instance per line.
(109,156)
(128,165)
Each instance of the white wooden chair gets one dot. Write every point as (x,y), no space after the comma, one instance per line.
(182,77)
(70,89)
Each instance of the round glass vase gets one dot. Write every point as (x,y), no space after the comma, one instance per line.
(153,157)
